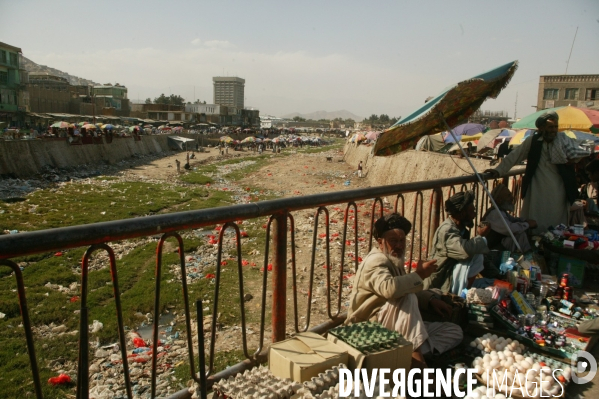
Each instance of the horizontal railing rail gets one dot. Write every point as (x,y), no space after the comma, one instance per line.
(280,229)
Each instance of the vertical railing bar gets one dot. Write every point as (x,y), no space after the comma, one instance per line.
(201,378)
(263,305)
(26,325)
(372,218)
(279,279)
(293,271)
(403,204)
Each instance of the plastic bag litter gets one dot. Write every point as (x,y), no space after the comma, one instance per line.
(96,326)
(61,379)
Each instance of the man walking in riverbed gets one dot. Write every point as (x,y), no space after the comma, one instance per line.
(360,169)
(178,165)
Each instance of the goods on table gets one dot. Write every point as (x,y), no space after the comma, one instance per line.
(256,383)
(509,360)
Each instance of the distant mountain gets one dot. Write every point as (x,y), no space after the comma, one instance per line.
(343,114)
(31,66)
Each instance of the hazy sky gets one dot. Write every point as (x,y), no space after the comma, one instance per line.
(363,56)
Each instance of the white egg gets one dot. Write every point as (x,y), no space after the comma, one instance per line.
(477,340)
(494,357)
(509,340)
(513,368)
(554,390)
(519,358)
(525,364)
(487,358)
(493,353)
(473,344)
(508,362)
(530,388)
(484,397)
(494,336)
(500,396)
(484,377)
(501,355)
(479,347)
(494,364)
(529,360)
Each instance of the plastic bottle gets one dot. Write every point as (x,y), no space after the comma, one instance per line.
(507,266)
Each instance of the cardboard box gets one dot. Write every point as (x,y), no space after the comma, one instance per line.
(304,356)
(574,267)
(396,358)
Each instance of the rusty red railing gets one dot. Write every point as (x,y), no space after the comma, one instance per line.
(280,223)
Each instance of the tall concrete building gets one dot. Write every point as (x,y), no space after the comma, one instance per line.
(229,91)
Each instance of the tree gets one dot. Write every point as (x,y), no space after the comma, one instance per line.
(148,100)
(162,99)
(299,119)
(384,118)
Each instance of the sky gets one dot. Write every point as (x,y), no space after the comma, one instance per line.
(367,57)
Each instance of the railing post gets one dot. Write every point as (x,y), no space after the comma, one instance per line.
(279,278)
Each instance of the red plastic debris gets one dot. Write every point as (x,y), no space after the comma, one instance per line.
(218,228)
(74,299)
(223,263)
(264,226)
(58,254)
(244,262)
(244,234)
(60,380)
(139,342)
(210,275)
(322,235)
(239,222)
(253,264)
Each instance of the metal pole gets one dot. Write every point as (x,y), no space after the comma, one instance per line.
(279,278)
(480,179)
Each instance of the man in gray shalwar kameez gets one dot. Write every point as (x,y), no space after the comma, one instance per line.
(549,185)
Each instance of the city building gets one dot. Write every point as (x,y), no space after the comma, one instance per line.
(162,112)
(229,91)
(11,85)
(561,90)
(115,101)
(489,118)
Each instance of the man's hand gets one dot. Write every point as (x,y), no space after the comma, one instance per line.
(532,223)
(483,230)
(494,173)
(441,308)
(425,269)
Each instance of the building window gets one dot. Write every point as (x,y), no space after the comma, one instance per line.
(592,94)
(13,59)
(571,94)
(3,56)
(550,94)
(3,78)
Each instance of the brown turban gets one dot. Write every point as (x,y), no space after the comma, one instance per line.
(501,194)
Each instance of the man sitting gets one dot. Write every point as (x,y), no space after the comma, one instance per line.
(499,237)
(382,291)
(460,258)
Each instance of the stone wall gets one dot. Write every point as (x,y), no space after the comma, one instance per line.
(25,158)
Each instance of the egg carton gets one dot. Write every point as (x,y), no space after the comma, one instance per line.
(367,337)
(325,385)
(258,382)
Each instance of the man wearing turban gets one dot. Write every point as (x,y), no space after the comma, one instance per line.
(549,185)
(459,257)
(382,291)
(499,237)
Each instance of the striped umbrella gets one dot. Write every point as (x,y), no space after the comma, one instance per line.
(570,118)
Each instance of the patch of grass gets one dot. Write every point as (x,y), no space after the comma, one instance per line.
(75,204)
(196,178)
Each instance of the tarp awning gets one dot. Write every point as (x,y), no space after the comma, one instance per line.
(177,142)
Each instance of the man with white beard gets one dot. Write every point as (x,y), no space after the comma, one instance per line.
(382,291)
(499,237)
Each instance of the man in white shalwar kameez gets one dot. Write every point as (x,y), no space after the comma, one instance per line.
(382,291)
(549,185)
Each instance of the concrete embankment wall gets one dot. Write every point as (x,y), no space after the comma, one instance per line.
(411,166)
(25,158)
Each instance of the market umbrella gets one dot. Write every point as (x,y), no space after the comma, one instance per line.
(520,136)
(249,139)
(575,134)
(81,123)
(570,118)
(178,129)
(489,137)
(108,126)
(133,128)
(226,139)
(166,128)
(61,125)
(89,126)
(456,104)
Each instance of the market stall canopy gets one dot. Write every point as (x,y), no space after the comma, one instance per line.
(570,118)
(178,143)
(465,129)
(434,143)
(61,125)
(455,103)
(489,137)
(226,139)
(520,136)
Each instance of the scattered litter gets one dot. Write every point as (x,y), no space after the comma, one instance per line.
(60,380)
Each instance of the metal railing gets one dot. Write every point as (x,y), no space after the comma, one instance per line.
(281,222)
